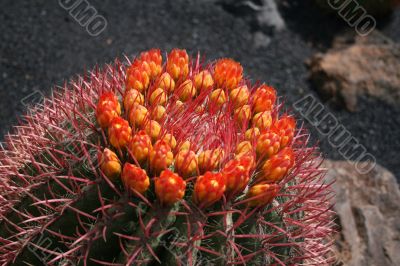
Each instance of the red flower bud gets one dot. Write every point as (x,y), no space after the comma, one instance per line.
(262,194)
(267,145)
(227,73)
(209,189)
(237,173)
(276,167)
(178,64)
(264,99)
(119,132)
(153,59)
(138,76)
(161,156)
(135,178)
(285,128)
(140,146)
(169,187)
(107,109)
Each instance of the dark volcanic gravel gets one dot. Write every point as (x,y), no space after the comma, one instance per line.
(41,46)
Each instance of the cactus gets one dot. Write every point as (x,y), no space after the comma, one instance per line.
(174,163)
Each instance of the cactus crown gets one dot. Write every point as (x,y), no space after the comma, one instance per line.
(170,163)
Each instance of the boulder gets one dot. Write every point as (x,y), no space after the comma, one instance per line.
(368,215)
(367,66)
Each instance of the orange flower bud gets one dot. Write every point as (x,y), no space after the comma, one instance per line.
(186,163)
(135,178)
(285,127)
(138,76)
(154,60)
(218,97)
(262,120)
(140,146)
(138,115)
(268,144)
(244,147)
(132,97)
(252,134)
(166,83)
(264,99)
(119,132)
(158,96)
(210,159)
(110,164)
(237,173)
(186,90)
(161,156)
(178,64)
(169,187)
(276,167)
(262,194)
(203,80)
(243,114)
(170,139)
(153,129)
(107,109)
(227,73)
(239,96)
(158,113)
(209,189)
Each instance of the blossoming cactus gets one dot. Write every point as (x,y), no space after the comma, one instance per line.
(170,163)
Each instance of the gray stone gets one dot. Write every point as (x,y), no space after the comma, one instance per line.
(368,212)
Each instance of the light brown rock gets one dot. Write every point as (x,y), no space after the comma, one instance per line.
(369,66)
(368,212)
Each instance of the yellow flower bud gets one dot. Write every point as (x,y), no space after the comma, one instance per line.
(170,139)
(186,145)
(262,120)
(243,114)
(186,90)
(110,164)
(166,83)
(153,129)
(158,96)
(252,133)
(203,80)
(244,147)
(239,96)
(132,97)
(210,160)
(186,163)
(158,113)
(218,97)
(138,115)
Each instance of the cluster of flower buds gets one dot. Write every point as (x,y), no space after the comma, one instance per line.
(139,135)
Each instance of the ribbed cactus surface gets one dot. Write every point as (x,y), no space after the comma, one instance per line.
(163,161)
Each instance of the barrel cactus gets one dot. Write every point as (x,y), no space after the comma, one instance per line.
(163,162)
